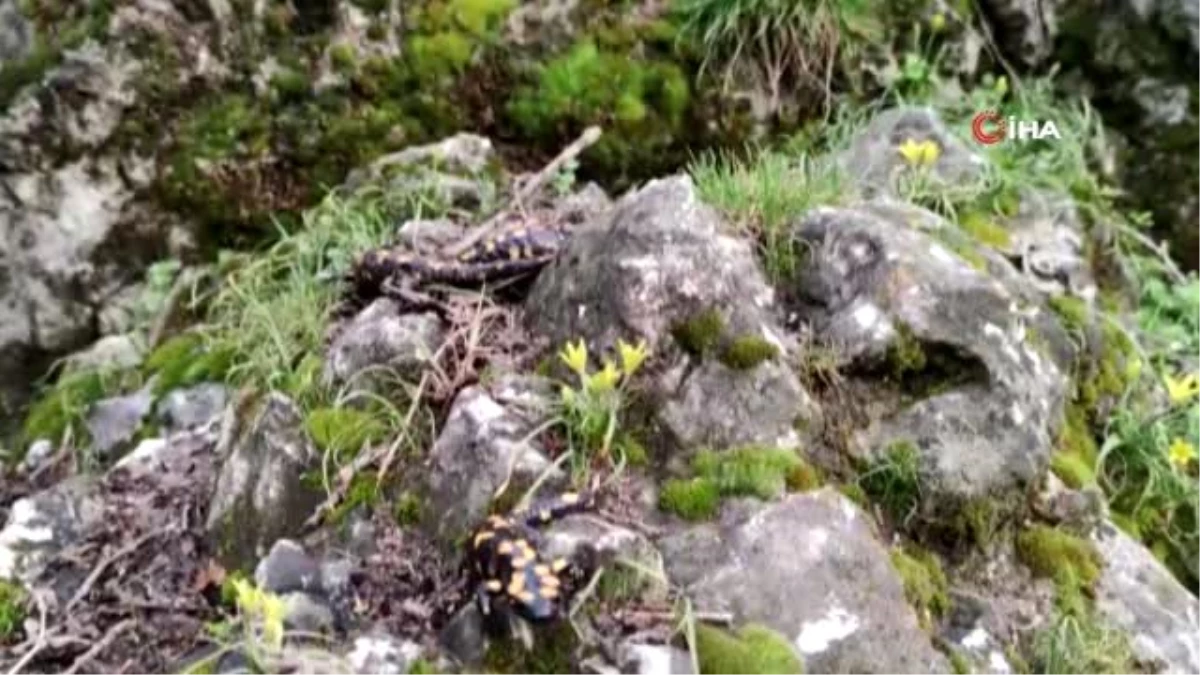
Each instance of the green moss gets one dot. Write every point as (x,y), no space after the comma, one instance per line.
(754,649)
(855,493)
(1081,643)
(363,493)
(925,584)
(1055,554)
(64,404)
(959,663)
(632,451)
(701,333)
(985,230)
(749,471)
(641,103)
(977,521)
(905,354)
(694,499)
(12,610)
(290,84)
(554,645)
(747,351)
(408,509)
(1075,455)
(1073,311)
(804,477)
(343,58)
(187,359)
(343,431)
(423,667)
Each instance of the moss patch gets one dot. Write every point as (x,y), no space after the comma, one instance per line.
(701,333)
(985,230)
(555,644)
(925,584)
(752,471)
(1058,555)
(185,360)
(408,509)
(748,351)
(1075,454)
(905,354)
(754,649)
(12,611)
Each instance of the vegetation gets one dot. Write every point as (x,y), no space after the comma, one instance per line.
(12,611)
(750,471)
(894,482)
(753,649)
(925,584)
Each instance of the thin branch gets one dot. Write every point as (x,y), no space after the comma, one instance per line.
(41,641)
(100,646)
(109,560)
(528,190)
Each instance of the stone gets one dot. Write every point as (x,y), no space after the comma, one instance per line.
(193,407)
(382,337)
(383,654)
(288,567)
(42,525)
(810,567)
(113,422)
(112,352)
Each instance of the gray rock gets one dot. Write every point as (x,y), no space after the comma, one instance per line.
(871,281)
(811,568)
(644,659)
(383,654)
(472,458)
(1047,238)
(428,236)
(260,497)
(657,259)
(42,525)
(1025,28)
(1140,596)
(113,352)
(177,454)
(307,613)
(113,422)
(39,451)
(194,407)
(462,638)
(874,162)
(381,338)
(16,33)
(288,567)
(717,407)
(1162,103)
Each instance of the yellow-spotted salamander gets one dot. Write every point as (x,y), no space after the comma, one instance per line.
(508,571)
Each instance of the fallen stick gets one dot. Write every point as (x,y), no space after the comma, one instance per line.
(527,190)
(92,578)
(100,646)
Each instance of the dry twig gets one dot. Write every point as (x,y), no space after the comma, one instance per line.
(125,550)
(528,190)
(100,646)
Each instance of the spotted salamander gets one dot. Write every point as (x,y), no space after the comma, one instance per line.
(520,250)
(508,571)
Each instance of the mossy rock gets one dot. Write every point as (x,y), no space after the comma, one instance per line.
(747,352)
(753,649)
(700,334)
(1075,454)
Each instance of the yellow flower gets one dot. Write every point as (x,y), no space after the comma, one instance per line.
(1181,452)
(575,356)
(920,153)
(604,380)
(937,22)
(632,357)
(1001,86)
(1182,389)
(273,611)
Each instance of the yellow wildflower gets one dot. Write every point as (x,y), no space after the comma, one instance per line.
(575,356)
(632,357)
(937,23)
(920,153)
(1181,453)
(1182,389)
(1001,86)
(606,379)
